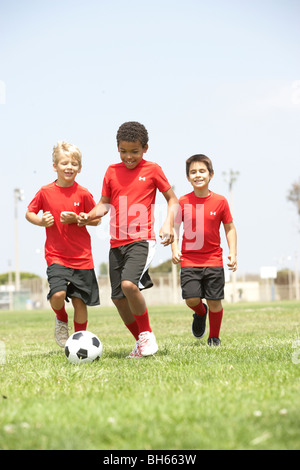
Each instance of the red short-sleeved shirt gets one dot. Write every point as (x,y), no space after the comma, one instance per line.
(132,198)
(202,217)
(67,245)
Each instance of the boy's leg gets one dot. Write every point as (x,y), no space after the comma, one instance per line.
(80,314)
(139,310)
(214,281)
(127,317)
(215,321)
(196,304)
(199,322)
(128,266)
(57,302)
(61,332)
(191,285)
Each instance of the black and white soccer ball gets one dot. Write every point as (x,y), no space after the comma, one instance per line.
(82,347)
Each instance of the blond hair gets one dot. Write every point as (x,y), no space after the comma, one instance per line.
(67,149)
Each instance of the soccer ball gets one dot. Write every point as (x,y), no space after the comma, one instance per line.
(82,347)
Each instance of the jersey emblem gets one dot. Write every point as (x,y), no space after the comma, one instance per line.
(76,203)
(213,213)
(142,178)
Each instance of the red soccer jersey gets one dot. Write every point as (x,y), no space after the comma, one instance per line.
(202,217)
(132,197)
(67,245)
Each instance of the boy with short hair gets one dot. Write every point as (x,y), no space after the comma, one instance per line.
(202,272)
(68,251)
(128,191)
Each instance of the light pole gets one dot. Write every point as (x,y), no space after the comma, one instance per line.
(231,178)
(18,196)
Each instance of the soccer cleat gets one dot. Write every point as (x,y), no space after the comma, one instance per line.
(199,324)
(136,352)
(148,343)
(61,332)
(214,342)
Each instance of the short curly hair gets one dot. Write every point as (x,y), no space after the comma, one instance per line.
(133,131)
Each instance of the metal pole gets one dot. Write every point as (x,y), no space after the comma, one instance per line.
(297,277)
(19,196)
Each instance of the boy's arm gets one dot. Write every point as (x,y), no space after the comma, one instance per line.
(100,209)
(167,230)
(47,219)
(231,236)
(68,218)
(176,253)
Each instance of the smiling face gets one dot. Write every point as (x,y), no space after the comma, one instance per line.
(131,153)
(67,168)
(199,177)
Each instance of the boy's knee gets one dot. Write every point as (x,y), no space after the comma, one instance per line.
(214,305)
(193,301)
(58,297)
(129,288)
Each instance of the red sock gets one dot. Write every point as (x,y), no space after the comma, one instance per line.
(61,314)
(199,309)
(215,320)
(80,326)
(143,322)
(134,329)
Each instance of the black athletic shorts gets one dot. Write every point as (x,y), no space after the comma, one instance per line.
(206,283)
(130,263)
(80,283)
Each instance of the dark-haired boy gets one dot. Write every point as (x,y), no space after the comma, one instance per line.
(202,272)
(128,191)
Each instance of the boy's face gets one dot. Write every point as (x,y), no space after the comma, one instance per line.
(67,168)
(131,153)
(199,176)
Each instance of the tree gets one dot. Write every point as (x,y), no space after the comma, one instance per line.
(4,278)
(294,195)
(103,269)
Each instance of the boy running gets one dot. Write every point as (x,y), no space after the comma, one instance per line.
(68,252)
(128,191)
(202,272)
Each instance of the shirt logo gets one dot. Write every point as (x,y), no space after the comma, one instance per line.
(76,203)
(213,213)
(142,178)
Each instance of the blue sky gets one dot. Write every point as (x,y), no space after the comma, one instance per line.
(219,77)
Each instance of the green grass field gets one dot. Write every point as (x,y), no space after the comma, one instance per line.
(244,395)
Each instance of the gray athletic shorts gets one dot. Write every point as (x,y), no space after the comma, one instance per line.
(130,263)
(80,283)
(206,283)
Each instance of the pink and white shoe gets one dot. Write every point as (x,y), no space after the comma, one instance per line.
(148,344)
(136,352)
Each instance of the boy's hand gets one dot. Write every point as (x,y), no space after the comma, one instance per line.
(47,219)
(176,256)
(82,219)
(232,265)
(67,217)
(167,235)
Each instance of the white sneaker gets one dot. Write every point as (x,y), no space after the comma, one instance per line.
(136,352)
(61,332)
(148,343)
